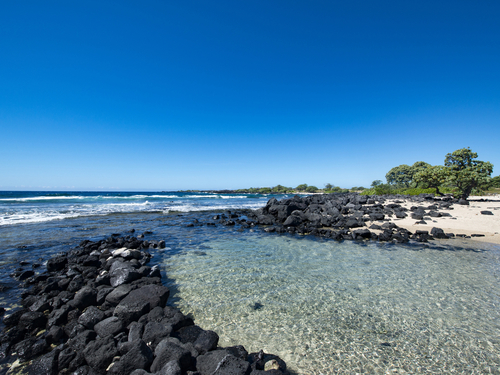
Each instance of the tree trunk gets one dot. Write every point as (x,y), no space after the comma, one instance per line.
(466,192)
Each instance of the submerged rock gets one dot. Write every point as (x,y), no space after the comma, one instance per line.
(100,309)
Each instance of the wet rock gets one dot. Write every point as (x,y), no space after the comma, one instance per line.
(138,356)
(265,219)
(173,368)
(65,357)
(100,353)
(238,351)
(259,360)
(154,332)
(54,335)
(90,317)
(221,362)
(32,320)
(25,274)
(110,326)
(56,264)
(119,293)
(85,297)
(167,351)
(46,365)
(123,276)
(80,341)
(76,284)
(206,341)
(143,372)
(176,318)
(58,316)
(135,331)
(30,347)
(12,319)
(140,301)
(188,334)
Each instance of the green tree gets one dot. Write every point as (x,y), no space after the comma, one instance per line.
(376,183)
(418,167)
(402,175)
(328,186)
(312,189)
(432,177)
(495,182)
(301,187)
(466,173)
(279,189)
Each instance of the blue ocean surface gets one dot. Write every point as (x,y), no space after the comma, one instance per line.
(324,306)
(33,207)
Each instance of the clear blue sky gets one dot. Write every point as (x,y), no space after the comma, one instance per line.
(164,95)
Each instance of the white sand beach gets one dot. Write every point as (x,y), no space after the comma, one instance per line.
(464,219)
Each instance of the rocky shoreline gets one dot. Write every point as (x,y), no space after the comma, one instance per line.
(351,216)
(100,309)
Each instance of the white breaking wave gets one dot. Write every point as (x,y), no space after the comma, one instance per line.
(191,208)
(119,197)
(35,217)
(41,198)
(21,216)
(95,206)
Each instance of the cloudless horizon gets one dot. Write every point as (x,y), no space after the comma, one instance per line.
(161,96)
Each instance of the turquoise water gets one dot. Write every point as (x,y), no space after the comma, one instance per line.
(328,307)
(324,307)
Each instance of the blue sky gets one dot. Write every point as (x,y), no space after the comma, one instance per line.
(161,95)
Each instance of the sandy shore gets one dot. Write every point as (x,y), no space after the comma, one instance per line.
(466,220)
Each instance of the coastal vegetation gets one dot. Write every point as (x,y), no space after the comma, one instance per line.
(280,189)
(461,175)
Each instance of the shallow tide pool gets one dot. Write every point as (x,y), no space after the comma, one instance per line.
(327,307)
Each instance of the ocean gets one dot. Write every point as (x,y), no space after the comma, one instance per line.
(324,306)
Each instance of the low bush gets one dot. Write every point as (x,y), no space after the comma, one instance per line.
(385,189)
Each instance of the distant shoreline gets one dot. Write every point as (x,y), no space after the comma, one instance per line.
(384,218)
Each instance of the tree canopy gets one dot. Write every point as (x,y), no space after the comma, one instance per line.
(432,177)
(301,187)
(403,175)
(467,173)
(461,173)
(495,182)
